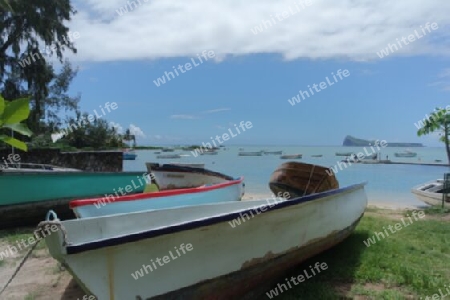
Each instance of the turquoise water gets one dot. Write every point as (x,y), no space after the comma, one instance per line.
(387,184)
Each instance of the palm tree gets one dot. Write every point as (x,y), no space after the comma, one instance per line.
(438,121)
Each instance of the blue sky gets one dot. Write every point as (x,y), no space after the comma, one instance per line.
(251,79)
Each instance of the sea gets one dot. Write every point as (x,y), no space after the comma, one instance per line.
(387,184)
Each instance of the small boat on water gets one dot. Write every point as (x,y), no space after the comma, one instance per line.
(431,193)
(405,153)
(177,186)
(167,150)
(209,153)
(168,156)
(291,156)
(28,194)
(113,257)
(316,155)
(273,152)
(31,167)
(129,155)
(192,165)
(344,153)
(258,153)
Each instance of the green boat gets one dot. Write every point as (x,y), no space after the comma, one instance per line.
(27,196)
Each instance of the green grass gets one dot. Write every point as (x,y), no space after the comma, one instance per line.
(409,264)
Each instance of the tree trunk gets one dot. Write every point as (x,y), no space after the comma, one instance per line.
(447,146)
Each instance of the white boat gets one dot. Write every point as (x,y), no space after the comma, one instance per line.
(176,186)
(168,156)
(31,167)
(201,252)
(259,153)
(406,153)
(431,193)
(209,153)
(272,152)
(169,176)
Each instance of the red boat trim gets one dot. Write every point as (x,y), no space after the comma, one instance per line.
(201,189)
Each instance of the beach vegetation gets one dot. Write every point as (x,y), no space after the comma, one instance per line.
(438,122)
(409,264)
(12,113)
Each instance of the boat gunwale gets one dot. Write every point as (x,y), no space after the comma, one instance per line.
(168,167)
(164,193)
(189,225)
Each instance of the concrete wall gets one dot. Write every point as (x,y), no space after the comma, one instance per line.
(96,161)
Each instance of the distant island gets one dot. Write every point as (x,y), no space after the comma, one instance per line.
(352,141)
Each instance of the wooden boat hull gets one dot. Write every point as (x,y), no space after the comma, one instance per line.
(424,193)
(26,197)
(299,179)
(225,262)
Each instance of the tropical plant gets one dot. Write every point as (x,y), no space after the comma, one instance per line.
(11,114)
(438,121)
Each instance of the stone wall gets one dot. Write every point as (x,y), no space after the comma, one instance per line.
(95,161)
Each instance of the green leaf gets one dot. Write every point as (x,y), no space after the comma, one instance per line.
(14,142)
(16,111)
(20,128)
(2,105)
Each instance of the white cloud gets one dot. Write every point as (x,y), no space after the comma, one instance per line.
(135,130)
(211,111)
(117,126)
(183,117)
(347,29)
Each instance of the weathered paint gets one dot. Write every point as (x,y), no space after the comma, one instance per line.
(226,262)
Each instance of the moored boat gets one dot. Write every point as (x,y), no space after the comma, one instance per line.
(192,165)
(209,153)
(256,153)
(291,156)
(344,153)
(405,154)
(168,156)
(178,186)
(431,193)
(300,179)
(273,152)
(31,167)
(129,155)
(203,239)
(316,155)
(28,195)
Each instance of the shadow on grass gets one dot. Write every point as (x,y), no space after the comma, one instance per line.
(343,260)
